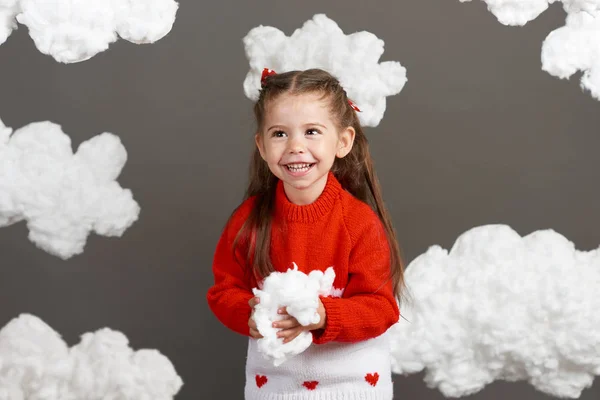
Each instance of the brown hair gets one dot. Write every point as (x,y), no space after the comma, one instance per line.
(355,171)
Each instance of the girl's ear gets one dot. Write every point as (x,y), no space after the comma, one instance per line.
(258,139)
(345,142)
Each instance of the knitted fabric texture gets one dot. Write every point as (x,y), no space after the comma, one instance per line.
(349,358)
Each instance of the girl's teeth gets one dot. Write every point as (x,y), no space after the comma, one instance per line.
(299,167)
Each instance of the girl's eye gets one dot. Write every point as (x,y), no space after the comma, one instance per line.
(313,132)
(278,133)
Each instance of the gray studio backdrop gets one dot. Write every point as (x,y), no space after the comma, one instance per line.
(479,135)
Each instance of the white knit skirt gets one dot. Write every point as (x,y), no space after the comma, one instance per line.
(331,371)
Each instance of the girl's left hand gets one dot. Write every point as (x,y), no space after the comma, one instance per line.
(291,328)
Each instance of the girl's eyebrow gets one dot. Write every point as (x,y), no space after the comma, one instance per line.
(316,124)
(276,126)
(305,125)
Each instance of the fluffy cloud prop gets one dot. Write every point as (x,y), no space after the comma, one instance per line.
(320,43)
(63,196)
(569,49)
(499,306)
(73,31)
(36,364)
(298,292)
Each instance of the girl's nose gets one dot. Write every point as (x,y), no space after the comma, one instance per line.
(296,145)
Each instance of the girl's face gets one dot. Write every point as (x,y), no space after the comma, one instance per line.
(300,141)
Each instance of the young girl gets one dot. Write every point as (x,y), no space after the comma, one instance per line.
(313,199)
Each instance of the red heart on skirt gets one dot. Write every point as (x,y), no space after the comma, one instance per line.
(310,385)
(261,380)
(372,378)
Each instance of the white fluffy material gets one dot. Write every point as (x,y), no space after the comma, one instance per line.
(8,11)
(36,364)
(569,49)
(320,43)
(298,292)
(499,306)
(75,30)
(516,12)
(63,196)
(575,47)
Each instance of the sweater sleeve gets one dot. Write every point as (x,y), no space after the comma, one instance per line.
(228,297)
(368,306)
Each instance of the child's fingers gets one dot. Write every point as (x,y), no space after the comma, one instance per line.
(287,323)
(282,311)
(290,334)
(253,301)
(253,329)
(252,323)
(255,334)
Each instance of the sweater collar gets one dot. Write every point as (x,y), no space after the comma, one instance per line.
(309,212)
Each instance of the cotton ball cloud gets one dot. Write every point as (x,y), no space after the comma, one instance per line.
(516,12)
(8,12)
(499,306)
(520,12)
(33,360)
(73,31)
(298,292)
(36,363)
(63,196)
(104,362)
(575,47)
(566,50)
(353,59)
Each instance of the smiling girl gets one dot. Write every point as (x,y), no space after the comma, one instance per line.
(313,199)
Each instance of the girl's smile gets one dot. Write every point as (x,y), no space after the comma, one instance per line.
(297,170)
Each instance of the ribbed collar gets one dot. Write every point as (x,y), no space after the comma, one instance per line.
(309,212)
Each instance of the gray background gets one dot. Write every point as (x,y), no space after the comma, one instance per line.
(479,135)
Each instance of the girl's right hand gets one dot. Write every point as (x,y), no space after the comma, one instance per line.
(253,329)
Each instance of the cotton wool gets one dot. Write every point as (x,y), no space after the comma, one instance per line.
(74,31)
(63,196)
(298,292)
(499,306)
(567,50)
(8,11)
(575,47)
(36,364)
(320,43)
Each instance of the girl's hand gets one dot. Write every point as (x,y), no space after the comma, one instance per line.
(251,323)
(291,328)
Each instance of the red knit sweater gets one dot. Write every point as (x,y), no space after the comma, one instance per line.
(336,230)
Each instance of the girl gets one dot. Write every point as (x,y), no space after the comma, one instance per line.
(313,199)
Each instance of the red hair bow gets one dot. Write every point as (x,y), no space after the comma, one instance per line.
(268,72)
(353,106)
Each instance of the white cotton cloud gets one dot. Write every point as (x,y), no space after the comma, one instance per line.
(63,196)
(298,292)
(516,12)
(73,31)
(499,306)
(8,12)
(353,59)
(36,364)
(567,50)
(575,47)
